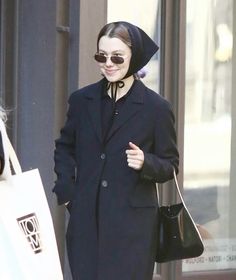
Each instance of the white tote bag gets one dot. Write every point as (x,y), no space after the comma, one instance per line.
(28,249)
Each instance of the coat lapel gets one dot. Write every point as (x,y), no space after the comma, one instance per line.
(94,108)
(130,108)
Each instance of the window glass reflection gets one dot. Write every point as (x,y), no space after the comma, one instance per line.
(208,134)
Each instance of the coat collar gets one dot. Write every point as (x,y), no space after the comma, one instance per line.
(128,110)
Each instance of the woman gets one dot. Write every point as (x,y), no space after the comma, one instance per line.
(118,141)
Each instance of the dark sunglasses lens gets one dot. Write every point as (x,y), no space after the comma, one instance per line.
(100,58)
(117,59)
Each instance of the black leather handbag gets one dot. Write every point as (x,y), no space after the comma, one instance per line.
(178,236)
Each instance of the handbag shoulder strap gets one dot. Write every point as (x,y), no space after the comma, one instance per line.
(177,187)
(9,154)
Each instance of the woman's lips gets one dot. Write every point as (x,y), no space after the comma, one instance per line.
(110,72)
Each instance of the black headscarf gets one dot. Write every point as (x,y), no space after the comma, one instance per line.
(142,48)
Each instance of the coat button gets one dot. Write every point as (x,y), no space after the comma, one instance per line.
(103,156)
(104,183)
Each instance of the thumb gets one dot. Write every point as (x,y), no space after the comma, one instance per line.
(133,146)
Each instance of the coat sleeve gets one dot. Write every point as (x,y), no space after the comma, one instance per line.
(1,155)
(64,157)
(159,165)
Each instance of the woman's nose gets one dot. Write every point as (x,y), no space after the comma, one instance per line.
(108,61)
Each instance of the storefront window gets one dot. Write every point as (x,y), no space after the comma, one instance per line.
(209,149)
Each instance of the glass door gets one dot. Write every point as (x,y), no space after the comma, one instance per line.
(209,139)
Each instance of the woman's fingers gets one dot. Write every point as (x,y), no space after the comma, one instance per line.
(135,157)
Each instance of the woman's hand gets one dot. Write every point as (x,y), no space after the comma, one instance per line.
(135,157)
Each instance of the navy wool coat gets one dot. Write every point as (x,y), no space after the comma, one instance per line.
(111,233)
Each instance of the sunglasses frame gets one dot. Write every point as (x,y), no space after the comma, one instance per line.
(101,58)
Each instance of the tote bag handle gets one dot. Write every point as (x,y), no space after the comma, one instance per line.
(9,154)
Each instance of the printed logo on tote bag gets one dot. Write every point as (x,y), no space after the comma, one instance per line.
(30,227)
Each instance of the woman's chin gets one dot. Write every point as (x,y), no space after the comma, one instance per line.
(114,78)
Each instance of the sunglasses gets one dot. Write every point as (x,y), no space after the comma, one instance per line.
(101,58)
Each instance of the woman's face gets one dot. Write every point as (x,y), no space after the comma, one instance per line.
(114,47)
